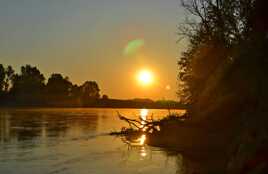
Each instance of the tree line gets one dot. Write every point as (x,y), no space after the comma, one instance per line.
(30,88)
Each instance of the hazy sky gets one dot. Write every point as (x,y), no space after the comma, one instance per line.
(85,40)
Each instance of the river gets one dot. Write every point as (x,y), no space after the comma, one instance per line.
(75,141)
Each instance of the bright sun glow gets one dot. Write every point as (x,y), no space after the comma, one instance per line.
(145,77)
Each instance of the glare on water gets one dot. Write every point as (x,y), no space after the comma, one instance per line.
(142,139)
(143,115)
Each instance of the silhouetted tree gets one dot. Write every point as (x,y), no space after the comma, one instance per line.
(2,78)
(75,91)
(221,26)
(6,75)
(223,75)
(8,79)
(57,86)
(28,86)
(90,91)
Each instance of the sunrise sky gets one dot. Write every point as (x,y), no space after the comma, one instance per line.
(109,41)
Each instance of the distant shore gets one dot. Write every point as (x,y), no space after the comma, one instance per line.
(102,103)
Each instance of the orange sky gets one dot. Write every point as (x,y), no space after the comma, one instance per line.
(85,40)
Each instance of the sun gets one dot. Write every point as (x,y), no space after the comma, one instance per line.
(145,77)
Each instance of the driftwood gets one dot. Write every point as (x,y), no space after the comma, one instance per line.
(142,126)
(146,126)
(139,126)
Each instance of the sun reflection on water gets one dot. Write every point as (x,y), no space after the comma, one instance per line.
(143,115)
(138,142)
(142,139)
(143,152)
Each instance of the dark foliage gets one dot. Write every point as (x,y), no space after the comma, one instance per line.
(223,76)
(28,88)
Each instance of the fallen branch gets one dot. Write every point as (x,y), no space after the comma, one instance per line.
(141,124)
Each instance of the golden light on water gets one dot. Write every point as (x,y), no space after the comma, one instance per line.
(143,115)
(142,139)
(143,152)
(145,77)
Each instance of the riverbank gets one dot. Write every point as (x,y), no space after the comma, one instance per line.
(232,144)
(215,145)
(204,150)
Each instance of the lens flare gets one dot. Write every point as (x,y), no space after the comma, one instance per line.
(133,46)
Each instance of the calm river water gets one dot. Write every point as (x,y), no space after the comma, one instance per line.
(75,141)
